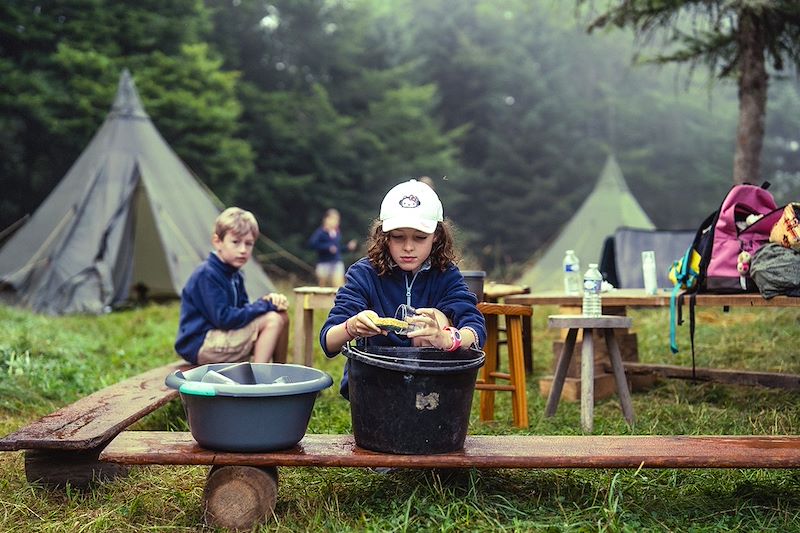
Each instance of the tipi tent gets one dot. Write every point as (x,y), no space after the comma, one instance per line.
(610,206)
(128,215)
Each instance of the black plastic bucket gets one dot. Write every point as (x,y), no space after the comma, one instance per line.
(475,281)
(411,400)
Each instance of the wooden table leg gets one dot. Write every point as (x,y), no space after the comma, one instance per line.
(619,374)
(527,343)
(298,348)
(587,381)
(517,371)
(308,337)
(561,373)
(489,367)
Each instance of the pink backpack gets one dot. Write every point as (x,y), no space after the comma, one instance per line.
(719,240)
(732,233)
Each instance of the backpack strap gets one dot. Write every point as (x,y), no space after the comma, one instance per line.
(684,282)
(673,343)
(692,303)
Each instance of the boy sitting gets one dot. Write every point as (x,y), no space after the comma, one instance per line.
(217,324)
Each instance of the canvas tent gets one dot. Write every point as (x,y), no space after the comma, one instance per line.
(609,206)
(621,261)
(127,214)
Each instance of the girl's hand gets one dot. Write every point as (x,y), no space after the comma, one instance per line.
(429,324)
(280,301)
(361,325)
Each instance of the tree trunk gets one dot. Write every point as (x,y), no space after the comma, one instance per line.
(752,99)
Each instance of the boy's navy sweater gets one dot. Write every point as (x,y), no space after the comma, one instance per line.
(365,289)
(321,241)
(214,298)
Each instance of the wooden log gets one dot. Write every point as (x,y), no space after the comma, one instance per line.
(480,451)
(240,497)
(716,375)
(78,469)
(604,387)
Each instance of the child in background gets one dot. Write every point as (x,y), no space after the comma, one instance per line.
(326,240)
(410,260)
(217,324)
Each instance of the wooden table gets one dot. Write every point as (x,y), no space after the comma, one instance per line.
(624,298)
(619,300)
(306,300)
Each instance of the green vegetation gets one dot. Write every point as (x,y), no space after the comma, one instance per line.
(290,107)
(47,362)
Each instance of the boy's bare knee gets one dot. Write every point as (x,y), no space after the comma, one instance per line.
(274,319)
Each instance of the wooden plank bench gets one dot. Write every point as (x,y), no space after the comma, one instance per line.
(63,446)
(241,488)
(618,301)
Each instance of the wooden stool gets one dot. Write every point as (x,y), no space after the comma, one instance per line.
(494,292)
(516,365)
(607,324)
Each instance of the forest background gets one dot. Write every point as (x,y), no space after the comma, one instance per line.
(289,107)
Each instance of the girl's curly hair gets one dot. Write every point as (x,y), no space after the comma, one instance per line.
(443,252)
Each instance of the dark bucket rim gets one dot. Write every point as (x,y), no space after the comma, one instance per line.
(421,366)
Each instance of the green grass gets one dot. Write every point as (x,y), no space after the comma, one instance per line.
(47,362)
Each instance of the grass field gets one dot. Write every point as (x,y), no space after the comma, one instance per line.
(47,362)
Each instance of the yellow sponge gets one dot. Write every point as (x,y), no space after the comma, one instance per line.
(390,324)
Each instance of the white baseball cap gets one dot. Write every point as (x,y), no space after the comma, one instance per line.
(411,204)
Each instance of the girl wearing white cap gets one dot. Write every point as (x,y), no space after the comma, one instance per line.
(410,260)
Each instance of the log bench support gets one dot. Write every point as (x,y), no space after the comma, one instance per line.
(77,468)
(241,489)
(239,497)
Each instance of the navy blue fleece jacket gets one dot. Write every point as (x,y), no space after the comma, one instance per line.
(365,289)
(214,298)
(321,241)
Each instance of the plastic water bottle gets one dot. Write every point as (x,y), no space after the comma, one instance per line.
(649,272)
(592,283)
(572,274)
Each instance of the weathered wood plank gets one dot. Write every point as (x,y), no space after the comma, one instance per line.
(716,451)
(638,298)
(730,377)
(585,322)
(97,418)
(504,309)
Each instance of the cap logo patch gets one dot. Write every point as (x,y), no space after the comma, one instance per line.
(409,201)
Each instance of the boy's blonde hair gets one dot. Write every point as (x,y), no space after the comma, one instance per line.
(237,221)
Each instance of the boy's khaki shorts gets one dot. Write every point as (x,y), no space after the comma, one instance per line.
(231,346)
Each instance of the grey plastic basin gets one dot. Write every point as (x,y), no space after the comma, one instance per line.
(248,407)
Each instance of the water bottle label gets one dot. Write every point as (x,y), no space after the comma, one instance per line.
(592,285)
(570,268)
